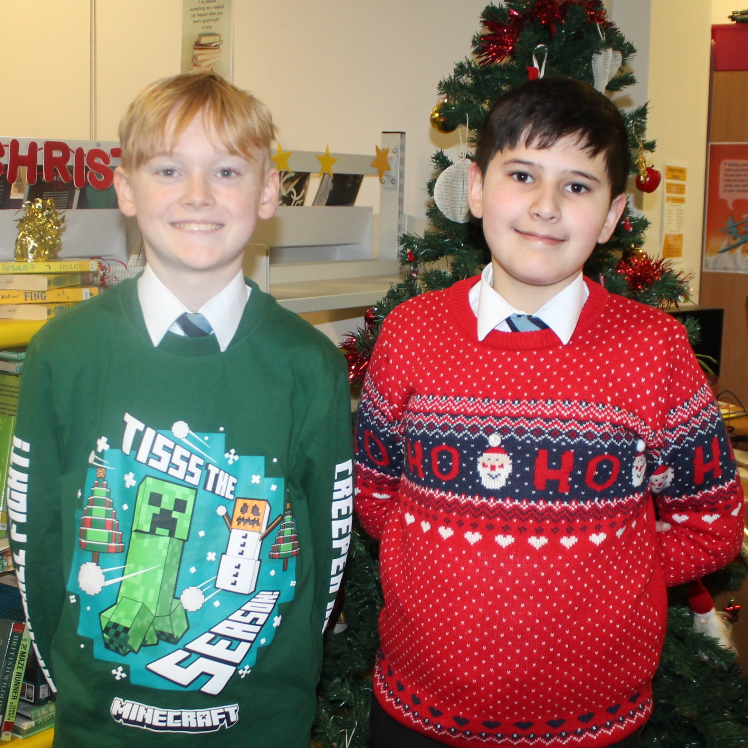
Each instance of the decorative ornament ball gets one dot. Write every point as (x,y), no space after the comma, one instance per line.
(627,224)
(438,121)
(451,192)
(651,181)
(411,256)
(371,316)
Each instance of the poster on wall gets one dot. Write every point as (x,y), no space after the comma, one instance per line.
(207,36)
(726,220)
(674,209)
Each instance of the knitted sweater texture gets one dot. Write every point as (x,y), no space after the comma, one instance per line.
(514,484)
(180,519)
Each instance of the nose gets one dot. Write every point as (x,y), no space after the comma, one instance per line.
(545,204)
(197,191)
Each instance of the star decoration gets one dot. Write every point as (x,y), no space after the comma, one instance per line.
(231,456)
(281,159)
(130,480)
(119,673)
(102,444)
(273,487)
(381,162)
(276,621)
(211,556)
(72,599)
(256,479)
(246,670)
(326,162)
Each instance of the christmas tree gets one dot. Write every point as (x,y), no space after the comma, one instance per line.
(286,544)
(701,697)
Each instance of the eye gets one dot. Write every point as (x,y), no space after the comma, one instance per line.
(227,172)
(521,176)
(167,171)
(577,188)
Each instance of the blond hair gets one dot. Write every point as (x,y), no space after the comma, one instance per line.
(162,111)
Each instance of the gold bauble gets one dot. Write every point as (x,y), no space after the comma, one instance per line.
(437,118)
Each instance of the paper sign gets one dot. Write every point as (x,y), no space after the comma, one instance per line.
(674,210)
(207,36)
(726,223)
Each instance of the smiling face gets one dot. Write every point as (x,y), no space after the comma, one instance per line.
(197,205)
(543,212)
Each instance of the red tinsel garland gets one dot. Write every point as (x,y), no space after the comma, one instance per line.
(500,38)
(357,362)
(641,271)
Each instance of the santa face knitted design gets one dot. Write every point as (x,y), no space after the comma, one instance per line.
(508,480)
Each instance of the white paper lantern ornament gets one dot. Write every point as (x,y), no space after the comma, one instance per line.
(451,189)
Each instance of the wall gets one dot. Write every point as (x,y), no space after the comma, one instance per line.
(721,9)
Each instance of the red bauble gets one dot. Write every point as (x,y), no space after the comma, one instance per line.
(627,224)
(532,73)
(411,256)
(651,182)
(371,317)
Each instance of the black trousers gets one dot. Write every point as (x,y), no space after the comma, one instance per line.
(389,733)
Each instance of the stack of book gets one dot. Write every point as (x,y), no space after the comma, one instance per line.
(42,290)
(9,387)
(15,645)
(206,52)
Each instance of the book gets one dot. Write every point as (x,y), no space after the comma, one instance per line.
(54,295)
(12,367)
(45,281)
(9,386)
(208,37)
(13,354)
(6,559)
(35,690)
(36,714)
(24,727)
(293,187)
(11,633)
(76,265)
(9,718)
(339,189)
(33,311)
(11,606)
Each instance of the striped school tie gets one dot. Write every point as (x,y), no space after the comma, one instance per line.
(194,325)
(525,323)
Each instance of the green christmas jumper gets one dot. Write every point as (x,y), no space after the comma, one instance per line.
(180,519)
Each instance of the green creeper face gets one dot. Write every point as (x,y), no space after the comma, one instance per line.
(164,508)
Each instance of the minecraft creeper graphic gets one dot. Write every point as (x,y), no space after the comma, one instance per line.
(146,610)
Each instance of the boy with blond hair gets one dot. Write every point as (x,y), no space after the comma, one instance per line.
(182,477)
(508,431)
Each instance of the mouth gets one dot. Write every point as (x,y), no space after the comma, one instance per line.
(540,238)
(196,226)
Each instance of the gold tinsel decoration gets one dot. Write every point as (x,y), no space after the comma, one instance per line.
(39,232)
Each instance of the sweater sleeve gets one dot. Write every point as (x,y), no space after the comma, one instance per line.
(379,441)
(34,506)
(695,482)
(327,481)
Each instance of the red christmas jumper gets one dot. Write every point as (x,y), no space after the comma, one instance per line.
(511,484)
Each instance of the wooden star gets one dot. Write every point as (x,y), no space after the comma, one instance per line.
(381,162)
(281,159)
(326,162)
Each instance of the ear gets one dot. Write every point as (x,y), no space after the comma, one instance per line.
(124,192)
(269,196)
(475,190)
(614,216)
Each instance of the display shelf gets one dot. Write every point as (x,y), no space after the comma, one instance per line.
(15,333)
(42,739)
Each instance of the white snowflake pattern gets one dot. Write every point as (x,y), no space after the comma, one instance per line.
(202,533)
(102,444)
(119,673)
(83,646)
(130,480)
(246,670)
(276,621)
(80,493)
(192,569)
(273,487)
(256,479)
(73,599)
(211,556)
(272,572)
(275,459)
(216,603)
(125,507)
(263,641)
(292,583)
(231,456)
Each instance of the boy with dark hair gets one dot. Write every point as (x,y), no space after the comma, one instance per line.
(507,433)
(181,494)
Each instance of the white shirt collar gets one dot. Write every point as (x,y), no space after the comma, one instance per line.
(561,313)
(161,308)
